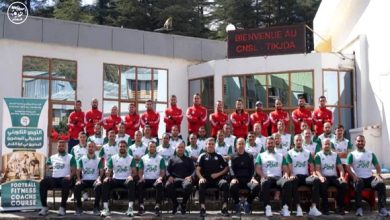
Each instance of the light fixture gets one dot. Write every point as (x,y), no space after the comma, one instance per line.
(230,27)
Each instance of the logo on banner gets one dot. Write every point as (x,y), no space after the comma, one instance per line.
(17,13)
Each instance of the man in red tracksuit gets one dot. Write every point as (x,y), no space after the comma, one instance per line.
(173,115)
(111,122)
(321,116)
(218,119)
(75,124)
(301,114)
(196,115)
(93,116)
(260,117)
(240,121)
(151,118)
(132,121)
(278,115)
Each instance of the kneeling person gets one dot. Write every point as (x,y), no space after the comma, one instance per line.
(121,171)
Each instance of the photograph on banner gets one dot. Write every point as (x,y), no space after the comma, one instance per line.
(23,165)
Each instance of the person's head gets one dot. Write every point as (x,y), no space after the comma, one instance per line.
(326,145)
(251,138)
(196,99)
(239,106)
(122,147)
(77,105)
(220,136)
(149,105)
(259,106)
(94,103)
(270,143)
(277,138)
(97,129)
(340,131)
(165,139)
(193,139)
(360,142)
(111,136)
(298,141)
(121,128)
(91,147)
(301,101)
(278,104)
(180,148)
(322,101)
(202,132)
(132,108)
(307,134)
(240,145)
(114,110)
(138,136)
(175,131)
(219,106)
(327,128)
(173,100)
(210,145)
(152,147)
(257,128)
(83,138)
(61,146)
(304,125)
(227,128)
(147,131)
(281,126)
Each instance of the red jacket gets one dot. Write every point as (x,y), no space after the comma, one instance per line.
(262,118)
(278,115)
(75,124)
(320,116)
(132,123)
(92,117)
(299,115)
(196,117)
(111,123)
(173,116)
(240,123)
(152,119)
(217,120)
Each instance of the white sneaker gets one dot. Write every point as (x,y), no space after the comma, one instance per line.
(299,211)
(285,211)
(85,196)
(268,211)
(43,211)
(61,211)
(314,211)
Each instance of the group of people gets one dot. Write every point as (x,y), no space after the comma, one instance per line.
(238,154)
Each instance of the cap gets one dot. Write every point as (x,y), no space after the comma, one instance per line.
(259,103)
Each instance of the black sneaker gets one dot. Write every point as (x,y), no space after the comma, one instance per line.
(174,209)
(141,210)
(325,212)
(202,212)
(340,211)
(237,208)
(183,209)
(224,212)
(157,211)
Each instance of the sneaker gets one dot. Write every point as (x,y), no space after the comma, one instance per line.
(268,211)
(174,209)
(299,211)
(202,212)
(44,211)
(129,212)
(61,211)
(141,210)
(247,208)
(157,211)
(325,212)
(285,211)
(225,212)
(383,212)
(96,211)
(79,211)
(183,209)
(314,211)
(340,211)
(237,208)
(105,213)
(359,212)
(85,196)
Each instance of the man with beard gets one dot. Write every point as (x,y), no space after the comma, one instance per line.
(138,149)
(218,119)
(341,145)
(81,149)
(240,120)
(75,125)
(327,133)
(321,116)
(150,118)
(278,115)
(93,116)
(260,117)
(109,149)
(132,121)
(173,115)
(97,137)
(111,122)
(301,114)
(196,115)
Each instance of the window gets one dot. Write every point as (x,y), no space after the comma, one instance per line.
(124,84)
(55,80)
(338,90)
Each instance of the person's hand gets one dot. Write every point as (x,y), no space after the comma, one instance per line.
(98,182)
(159,180)
(141,179)
(107,179)
(129,178)
(79,182)
(171,179)
(67,177)
(378,177)
(292,177)
(188,178)
(214,175)
(322,179)
(202,180)
(263,178)
(234,181)
(342,179)
(254,181)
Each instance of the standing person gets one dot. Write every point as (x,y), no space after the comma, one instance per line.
(321,116)
(341,145)
(89,174)
(301,114)
(359,166)
(218,119)
(97,137)
(211,171)
(93,116)
(63,166)
(81,149)
(327,163)
(260,117)
(242,177)
(109,149)
(193,150)
(285,137)
(151,171)
(230,139)
(132,120)
(300,161)
(196,115)
(180,169)
(173,115)
(272,169)
(122,136)
(138,149)
(278,115)
(240,120)
(111,122)
(151,118)
(75,125)
(121,172)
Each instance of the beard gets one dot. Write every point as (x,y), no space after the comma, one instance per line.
(94,107)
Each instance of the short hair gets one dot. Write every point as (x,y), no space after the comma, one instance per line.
(239,100)
(322,97)
(78,101)
(111,131)
(251,133)
(360,136)
(173,96)
(82,133)
(152,142)
(91,142)
(340,126)
(297,136)
(196,94)
(210,139)
(220,132)
(269,138)
(149,100)
(325,139)
(165,134)
(122,142)
(61,141)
